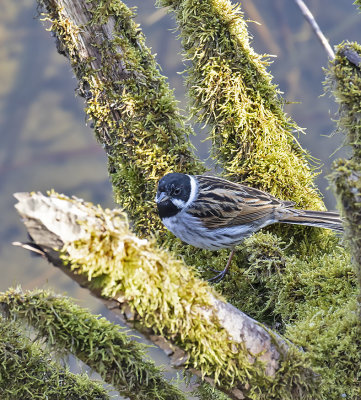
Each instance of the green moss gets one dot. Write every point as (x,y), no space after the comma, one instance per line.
(232,92)
(272,281)
(206,392)
(257,272)
(346,178)
(324,281)
(309,296)
(27,371)
(344,81)
(331,338)
(97,342)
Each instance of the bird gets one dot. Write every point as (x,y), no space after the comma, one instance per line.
(213,213)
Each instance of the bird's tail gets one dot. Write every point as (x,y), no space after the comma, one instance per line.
(321,219)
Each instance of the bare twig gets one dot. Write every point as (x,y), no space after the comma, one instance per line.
(314,25)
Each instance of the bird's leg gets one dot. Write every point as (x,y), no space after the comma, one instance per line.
(221,275)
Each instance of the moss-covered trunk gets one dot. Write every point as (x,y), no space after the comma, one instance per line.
(344,81)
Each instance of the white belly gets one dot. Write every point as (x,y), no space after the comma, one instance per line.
(190,230)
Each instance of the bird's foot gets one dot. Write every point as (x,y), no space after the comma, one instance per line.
(220,275)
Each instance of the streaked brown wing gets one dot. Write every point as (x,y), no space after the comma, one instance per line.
(222,203)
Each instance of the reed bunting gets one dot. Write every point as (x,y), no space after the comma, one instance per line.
(213,213)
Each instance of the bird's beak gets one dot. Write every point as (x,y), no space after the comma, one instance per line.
(161,198)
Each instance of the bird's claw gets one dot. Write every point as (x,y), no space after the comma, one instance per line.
(219,276)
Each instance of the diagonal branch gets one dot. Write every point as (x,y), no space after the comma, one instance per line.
(128,101)
(216,339)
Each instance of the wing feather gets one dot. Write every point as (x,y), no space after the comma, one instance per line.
(221,203)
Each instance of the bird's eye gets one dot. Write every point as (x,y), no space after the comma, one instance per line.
(177,191)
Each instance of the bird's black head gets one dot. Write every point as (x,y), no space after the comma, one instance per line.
(173,193)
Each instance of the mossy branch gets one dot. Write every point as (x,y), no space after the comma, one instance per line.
(231,91)
(344,82)
(97,342)
(236,352)
(129,103)
(27,371)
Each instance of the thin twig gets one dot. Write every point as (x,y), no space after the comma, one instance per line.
(314,25)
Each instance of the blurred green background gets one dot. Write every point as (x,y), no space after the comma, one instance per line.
(46,144)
